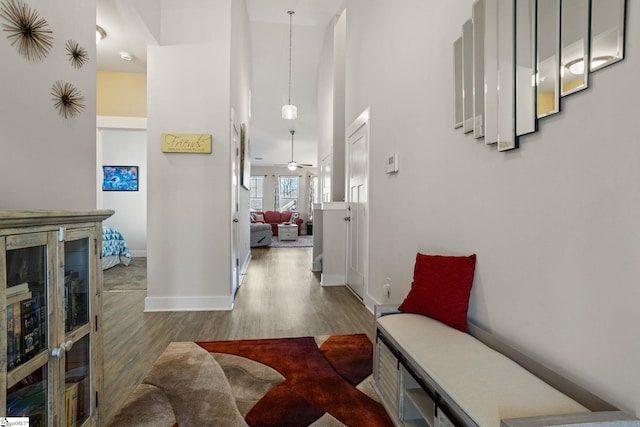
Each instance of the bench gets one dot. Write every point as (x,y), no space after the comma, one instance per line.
(430,374)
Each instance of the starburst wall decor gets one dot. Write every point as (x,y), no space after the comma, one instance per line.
(26,30)
(67,99)
(78,56)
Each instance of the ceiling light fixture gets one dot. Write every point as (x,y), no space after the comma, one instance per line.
(290,111)
(100,33)
(577,65)
(292,165)
(126,56)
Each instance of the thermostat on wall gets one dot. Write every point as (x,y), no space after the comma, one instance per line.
(392,164)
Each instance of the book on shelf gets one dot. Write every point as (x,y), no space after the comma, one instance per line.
(71,403)
(24,336)
(30,331)
(81,383)
(75,313)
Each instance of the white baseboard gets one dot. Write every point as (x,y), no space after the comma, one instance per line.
(138,253)
(224,303)
(333,280)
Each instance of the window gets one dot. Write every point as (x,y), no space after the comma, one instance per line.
(288,194)
(256,193)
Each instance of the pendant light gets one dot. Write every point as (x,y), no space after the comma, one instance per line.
(290,111)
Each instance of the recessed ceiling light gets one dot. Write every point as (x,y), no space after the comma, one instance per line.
(126,56)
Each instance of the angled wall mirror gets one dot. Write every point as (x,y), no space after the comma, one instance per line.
(490,71)
(467,76)
(548,57)
(607,32)
(525,63)
(457,83)
(507,139)
(478,68)
(574,37)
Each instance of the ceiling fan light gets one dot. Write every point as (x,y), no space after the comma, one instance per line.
(289,112)
(292,166)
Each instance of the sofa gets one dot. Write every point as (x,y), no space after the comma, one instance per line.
(274,218)
(260,234)
(185,387)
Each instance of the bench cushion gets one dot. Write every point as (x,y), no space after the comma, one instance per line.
(486,385)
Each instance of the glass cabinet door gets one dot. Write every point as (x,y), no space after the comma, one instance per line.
(27,324)
(77,326)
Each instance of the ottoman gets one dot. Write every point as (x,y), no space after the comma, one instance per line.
(260,234)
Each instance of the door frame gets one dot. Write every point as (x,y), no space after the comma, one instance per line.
(361,121)
(235,205)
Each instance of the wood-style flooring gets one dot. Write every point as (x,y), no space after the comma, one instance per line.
(280,297)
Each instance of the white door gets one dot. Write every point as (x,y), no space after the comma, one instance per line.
(235,182)
(357,240)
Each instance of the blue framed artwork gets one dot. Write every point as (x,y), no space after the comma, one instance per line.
(120,178)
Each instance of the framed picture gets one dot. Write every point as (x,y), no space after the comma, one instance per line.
(245,159)
(120,178)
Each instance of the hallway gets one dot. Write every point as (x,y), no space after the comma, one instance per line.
(280,297)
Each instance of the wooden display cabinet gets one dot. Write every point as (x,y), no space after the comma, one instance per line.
(50,293)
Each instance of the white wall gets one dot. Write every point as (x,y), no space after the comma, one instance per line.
(241,101)
(189,198)
(331,106)
(46,161)
(129,148)
(554,224)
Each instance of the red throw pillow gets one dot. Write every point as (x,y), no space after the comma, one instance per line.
(441,288)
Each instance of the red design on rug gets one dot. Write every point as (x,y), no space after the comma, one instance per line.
(311,386)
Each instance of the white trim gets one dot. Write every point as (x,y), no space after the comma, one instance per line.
(174,303)
(332,280)
(117,122)
(334,206)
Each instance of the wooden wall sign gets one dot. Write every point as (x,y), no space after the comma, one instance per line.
(186,143)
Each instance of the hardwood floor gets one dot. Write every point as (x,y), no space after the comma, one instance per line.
(280,297)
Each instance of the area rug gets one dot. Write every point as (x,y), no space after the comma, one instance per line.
(322,379)
(302,242)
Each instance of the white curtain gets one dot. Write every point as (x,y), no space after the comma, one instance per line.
(276,192)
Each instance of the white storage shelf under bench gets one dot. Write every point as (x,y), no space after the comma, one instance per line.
(429,374)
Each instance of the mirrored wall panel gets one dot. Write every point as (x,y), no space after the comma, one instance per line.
(526,114)
(457,83)
(515,59)
(478,68)
(491,71)
(574,38)
(607,32)
(506,77)
(467,76)
(548,54)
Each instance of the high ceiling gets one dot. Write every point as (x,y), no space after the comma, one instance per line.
(127,31)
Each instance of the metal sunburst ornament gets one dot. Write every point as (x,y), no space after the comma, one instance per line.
(78,56)
(67,99)
(27,30)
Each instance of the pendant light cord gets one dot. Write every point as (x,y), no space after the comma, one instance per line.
(291,12)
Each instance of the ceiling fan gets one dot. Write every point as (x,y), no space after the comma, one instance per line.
(293,165)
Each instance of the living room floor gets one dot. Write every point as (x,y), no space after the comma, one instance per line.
(280,297)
